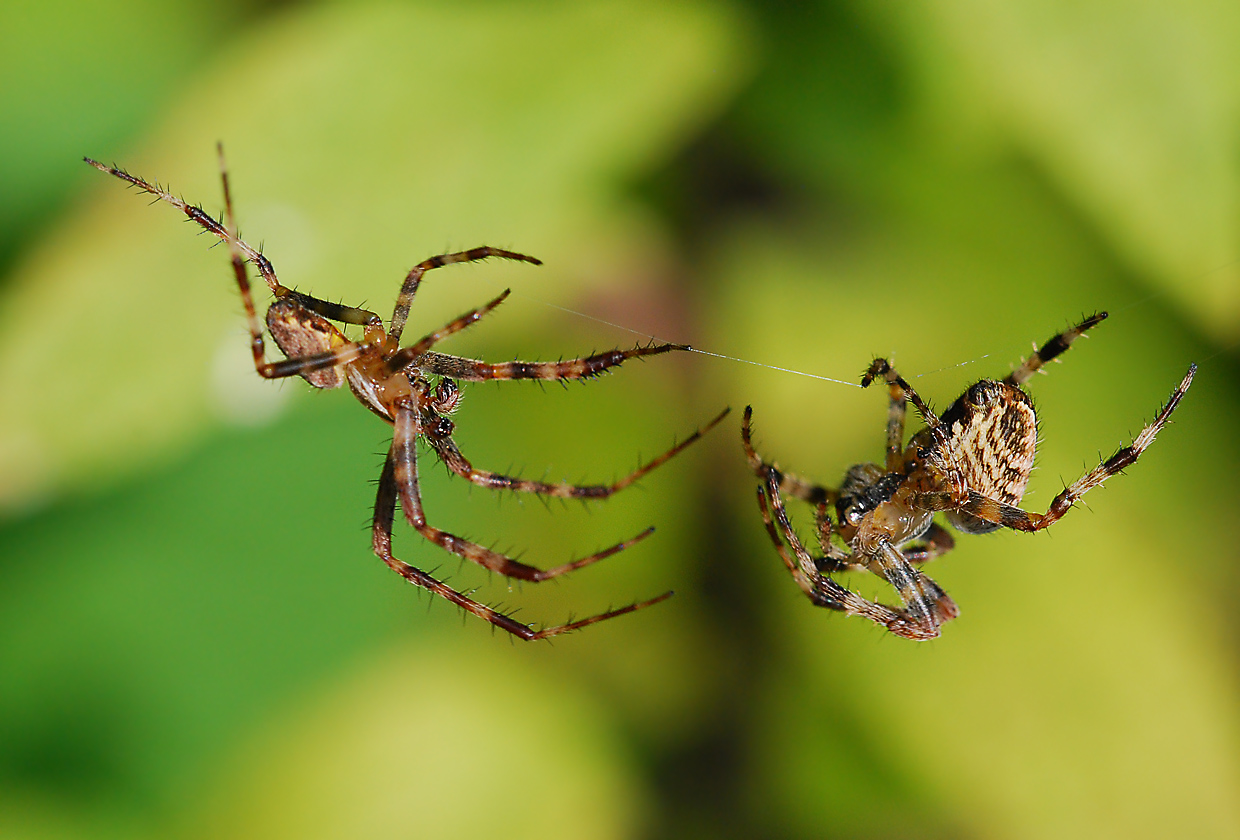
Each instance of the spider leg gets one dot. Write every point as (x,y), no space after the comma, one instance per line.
(385,508)
(288,367)
(834,558)
(414,278)
(936,542)
(227,233)
(901,393)
(452,458)
(199,217)
(334,311)
(820,589)
(793,485)
(939,541)
(1009,516)
(925,601)
(470,370)
(301,365)
(407,355)
(408,428)
(1051,349)
(922,588)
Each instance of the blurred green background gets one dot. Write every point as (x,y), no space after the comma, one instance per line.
(195,640)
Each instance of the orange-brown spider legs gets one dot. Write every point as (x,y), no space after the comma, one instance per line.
(241,252)
(400,480)
(242,276)
(297,364)
(470,370)
(385,509)
(413,279)
(820,589)
(925,601)
(901,393)
(408,355)
(199,217)
(793,485)
(834,558)
(1009,516)
(407,429)
(927,604)
(936,542)
(452,458)
(1051,349)
(237,248)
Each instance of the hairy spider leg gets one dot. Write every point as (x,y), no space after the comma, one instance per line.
(790,483)
(936,542)
(452,458)
(1057,345)
(198,216)
(1009,516)
(413,279)
(299,365)
(472,370)
(824,528)
(914,587)
(588,367)
(820,589)
(238,248)
(408,427)
(385,510)
(925,601)
(901,393)
(406,356)
(334,311)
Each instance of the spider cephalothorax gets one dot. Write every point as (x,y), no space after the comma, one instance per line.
(972,463)
(414,389)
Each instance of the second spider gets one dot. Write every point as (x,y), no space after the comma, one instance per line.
(972,463)
(415,390)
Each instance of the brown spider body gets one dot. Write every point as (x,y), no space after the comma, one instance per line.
(972,463)
(414,390)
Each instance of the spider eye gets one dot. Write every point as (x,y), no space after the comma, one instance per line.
(440,428)
(854,515)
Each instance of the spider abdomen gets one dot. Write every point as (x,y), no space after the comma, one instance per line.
(991,437)
(300,333)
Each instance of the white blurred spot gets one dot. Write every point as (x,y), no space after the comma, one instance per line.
(288,238)
(238,394)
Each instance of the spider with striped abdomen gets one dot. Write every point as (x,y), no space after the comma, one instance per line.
(415,390)
(972,463)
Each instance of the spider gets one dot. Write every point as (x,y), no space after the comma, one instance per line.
(972,463)
(415,390)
